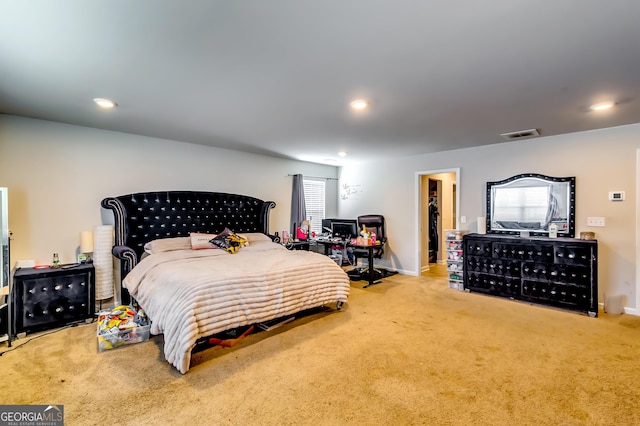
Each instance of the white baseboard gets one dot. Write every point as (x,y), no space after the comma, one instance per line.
(628,311)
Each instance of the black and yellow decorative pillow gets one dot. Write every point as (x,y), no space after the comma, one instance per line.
(229,241)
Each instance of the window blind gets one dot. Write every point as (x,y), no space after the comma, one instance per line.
(314,192)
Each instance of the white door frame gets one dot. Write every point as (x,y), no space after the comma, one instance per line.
(418,210)
(636,311)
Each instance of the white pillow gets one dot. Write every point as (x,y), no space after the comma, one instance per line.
(200,241)
(167,244)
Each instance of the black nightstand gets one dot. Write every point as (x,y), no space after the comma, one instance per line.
(52,297)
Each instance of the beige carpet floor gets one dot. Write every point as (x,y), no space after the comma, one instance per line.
(409,351)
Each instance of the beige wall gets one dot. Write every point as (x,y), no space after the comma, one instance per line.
(602,161)
(57,175)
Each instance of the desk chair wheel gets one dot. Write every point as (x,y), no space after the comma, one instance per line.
(340,305)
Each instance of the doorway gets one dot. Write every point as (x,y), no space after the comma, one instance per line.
(636,310)
(437,199)
(434,222)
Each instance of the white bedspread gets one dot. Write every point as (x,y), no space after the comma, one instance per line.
(189,294)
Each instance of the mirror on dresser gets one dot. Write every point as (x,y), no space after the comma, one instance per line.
(531,203)
(4,239)
(4,263)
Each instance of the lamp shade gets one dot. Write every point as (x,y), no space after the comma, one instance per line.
(86,242)
(482,225)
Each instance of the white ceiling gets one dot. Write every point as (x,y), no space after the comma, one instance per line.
(275,77)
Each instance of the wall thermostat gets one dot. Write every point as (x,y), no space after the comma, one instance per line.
(616,195)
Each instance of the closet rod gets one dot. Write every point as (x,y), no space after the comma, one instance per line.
(316,177)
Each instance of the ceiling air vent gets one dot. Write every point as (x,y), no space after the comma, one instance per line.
(521,134)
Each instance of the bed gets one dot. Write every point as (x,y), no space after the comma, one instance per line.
(189,293)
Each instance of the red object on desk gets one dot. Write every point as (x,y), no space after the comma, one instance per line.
(301,235)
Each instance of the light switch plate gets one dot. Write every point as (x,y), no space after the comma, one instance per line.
(595,221)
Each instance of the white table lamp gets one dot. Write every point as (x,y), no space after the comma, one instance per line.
(86,246)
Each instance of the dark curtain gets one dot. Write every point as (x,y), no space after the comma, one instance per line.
(298,209)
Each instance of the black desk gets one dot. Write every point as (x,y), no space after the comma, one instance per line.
(370,275)
(330,242)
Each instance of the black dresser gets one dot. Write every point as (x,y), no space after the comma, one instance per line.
(559,272)
(52,297)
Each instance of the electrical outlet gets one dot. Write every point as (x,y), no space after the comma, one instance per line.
(595,221)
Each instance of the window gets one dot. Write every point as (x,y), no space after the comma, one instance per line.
(515,205)
(314,191)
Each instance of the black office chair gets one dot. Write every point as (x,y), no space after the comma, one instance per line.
(375,224)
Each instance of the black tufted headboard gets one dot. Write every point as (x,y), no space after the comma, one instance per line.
(145,216)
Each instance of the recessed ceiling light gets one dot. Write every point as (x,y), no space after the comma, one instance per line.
(359,104)
(105,103)
(602,106)
(342,154)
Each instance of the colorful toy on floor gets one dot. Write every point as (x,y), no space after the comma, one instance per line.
(122,325)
